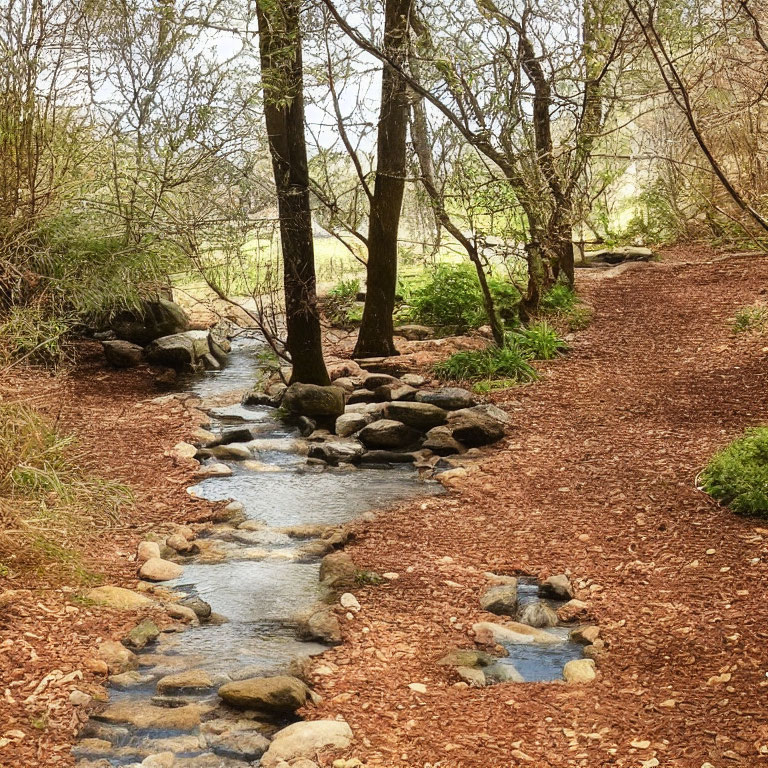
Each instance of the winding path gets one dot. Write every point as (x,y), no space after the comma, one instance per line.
(597,478)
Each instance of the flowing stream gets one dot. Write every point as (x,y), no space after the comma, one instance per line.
(260,580)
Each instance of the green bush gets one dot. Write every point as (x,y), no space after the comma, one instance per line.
(509,362)
(346,289)
(737,476)
(450,299)
(751,319)
(559,298)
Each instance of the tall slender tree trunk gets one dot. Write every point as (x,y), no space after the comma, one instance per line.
(376,331)
(282,78)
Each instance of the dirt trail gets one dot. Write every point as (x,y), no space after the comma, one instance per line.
(607,447)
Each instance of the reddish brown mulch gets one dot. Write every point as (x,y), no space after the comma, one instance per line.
(123,436)
(597,479)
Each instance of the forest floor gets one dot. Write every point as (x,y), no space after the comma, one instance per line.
(123,434)
(597,478)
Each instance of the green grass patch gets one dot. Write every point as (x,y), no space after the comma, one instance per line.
(502,367)
(510,363)
(565,308)
(540,341)
(752,319)
(737,476)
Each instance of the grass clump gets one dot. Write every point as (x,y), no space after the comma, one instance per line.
(565,308)
(340,305)
(510,363)
(501,367)
(737,476)
(752,319)
(540,340)
(48,500)
(450,299)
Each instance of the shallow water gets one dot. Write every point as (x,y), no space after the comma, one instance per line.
(261,598)
(537,663)
(241,371)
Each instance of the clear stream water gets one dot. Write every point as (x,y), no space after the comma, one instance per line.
(262,598)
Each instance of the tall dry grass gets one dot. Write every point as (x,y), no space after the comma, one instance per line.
(50,502)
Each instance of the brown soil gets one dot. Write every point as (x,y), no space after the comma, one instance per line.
(123,435)
(598,480)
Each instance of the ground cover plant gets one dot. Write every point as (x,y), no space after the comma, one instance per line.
(737,476)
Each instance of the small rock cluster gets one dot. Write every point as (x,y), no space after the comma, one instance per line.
(159,334)
(375,418)
(477,668)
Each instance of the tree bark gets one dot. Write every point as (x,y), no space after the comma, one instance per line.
(282,78)
(376,330)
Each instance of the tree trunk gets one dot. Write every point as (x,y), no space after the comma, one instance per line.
(376,330)
(282,73)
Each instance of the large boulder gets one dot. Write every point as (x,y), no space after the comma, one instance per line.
(450,398)
(501,600)
(117,657)
(556,587)
(180,351)
(337,451)
(421,416)
(579,671)
(152,320)
(440,441)
(148,717)
(322,625)
(387,433)
(118,597)
(157,569)
(349,423)
(477,425)
(512,633)
(142,634)
(304,740)
(122,354)
(337,568)
(276,695)
(618,255)
(414,332)
(538,614)
(313,400)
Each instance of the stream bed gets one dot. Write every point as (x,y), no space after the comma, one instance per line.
(258,584)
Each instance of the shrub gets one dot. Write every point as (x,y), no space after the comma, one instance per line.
(450,299)
(751,320)
(32,333)
(47,499)
(559,298)
(737,476)
(509,362)
(346,289)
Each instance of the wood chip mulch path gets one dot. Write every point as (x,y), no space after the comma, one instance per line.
(597,479)
(124,436)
